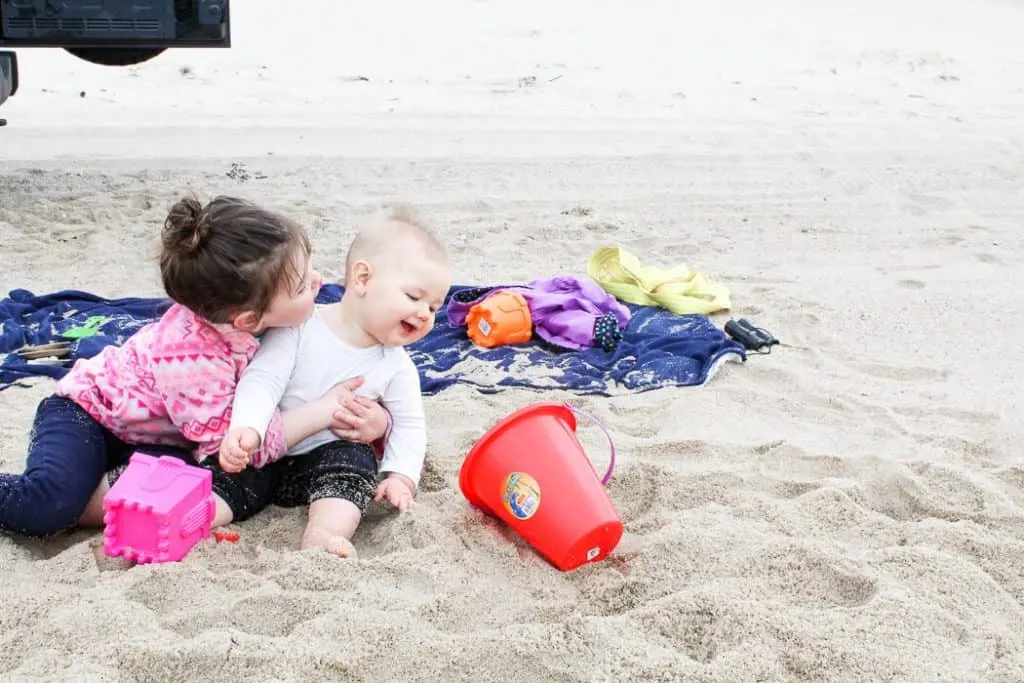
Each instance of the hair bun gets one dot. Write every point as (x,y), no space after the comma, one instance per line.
(186,226)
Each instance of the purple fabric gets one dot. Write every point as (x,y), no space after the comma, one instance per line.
(565,309)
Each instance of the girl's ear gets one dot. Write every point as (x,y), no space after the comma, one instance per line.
(361,274)
(246,322)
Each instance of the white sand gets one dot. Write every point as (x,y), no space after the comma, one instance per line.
(850,508)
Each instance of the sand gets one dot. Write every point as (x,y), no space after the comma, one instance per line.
(848,508)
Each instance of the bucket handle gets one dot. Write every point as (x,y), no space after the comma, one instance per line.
(611,444)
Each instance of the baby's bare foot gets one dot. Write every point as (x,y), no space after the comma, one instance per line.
(316,537)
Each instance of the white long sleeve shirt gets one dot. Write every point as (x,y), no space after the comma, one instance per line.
(295,365)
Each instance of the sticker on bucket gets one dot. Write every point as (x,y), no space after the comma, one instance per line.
(593,552)
(521,495)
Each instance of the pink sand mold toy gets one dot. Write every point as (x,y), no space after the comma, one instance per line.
(157,510)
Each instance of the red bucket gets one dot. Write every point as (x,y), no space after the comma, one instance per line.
(530,471)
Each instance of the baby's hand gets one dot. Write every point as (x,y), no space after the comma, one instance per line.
(359,419)
(398,489)
(236,447)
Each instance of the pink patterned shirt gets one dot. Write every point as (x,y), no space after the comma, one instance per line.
(171,383)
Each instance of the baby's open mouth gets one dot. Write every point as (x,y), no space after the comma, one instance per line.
(408,328)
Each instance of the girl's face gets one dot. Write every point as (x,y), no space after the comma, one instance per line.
(295,300)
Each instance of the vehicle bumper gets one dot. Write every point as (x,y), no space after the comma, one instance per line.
(8,74)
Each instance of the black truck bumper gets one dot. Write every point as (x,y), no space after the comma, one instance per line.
(8,75)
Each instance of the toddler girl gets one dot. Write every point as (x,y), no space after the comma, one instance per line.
(232,270)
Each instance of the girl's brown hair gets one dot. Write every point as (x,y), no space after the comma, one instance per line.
(229,257)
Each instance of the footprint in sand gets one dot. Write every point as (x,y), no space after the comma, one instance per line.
(601,229)
(923,204)
(249,615)
(807,578)
(188,615)
(889,270)
(793,461)
(988,258)
(919,491)
(794,489)
(974,418)
(902,373)
(692,623)
(699,633)
(636,490)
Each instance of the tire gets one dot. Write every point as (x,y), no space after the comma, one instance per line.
(115,56)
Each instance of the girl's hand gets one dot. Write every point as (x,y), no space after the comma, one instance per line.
(359,419)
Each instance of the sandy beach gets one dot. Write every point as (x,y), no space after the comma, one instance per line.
(847,508)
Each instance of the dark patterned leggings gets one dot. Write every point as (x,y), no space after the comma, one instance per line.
(337,469)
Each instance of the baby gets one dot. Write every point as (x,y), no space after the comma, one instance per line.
(396,278)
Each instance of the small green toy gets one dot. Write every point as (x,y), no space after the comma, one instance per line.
(90,328)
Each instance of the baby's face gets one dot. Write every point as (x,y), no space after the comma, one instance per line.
(401,301)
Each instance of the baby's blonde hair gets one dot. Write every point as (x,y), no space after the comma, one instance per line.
(402,222)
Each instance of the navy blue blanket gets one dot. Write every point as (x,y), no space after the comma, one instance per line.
(658,348)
